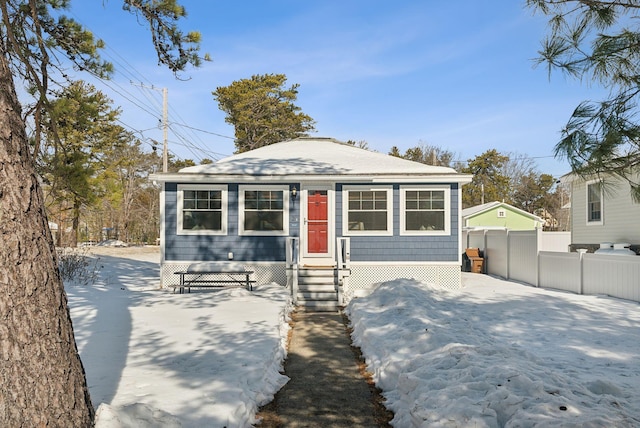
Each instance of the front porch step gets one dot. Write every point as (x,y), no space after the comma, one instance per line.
(317,289)
(315,295)
(317,275)
(311,280)
(320,306)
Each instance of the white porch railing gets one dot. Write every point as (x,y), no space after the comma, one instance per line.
(343,256)
(292,262)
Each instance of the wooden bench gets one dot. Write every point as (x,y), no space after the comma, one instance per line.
(213,278)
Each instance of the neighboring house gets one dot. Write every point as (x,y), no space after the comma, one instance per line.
(602,211)
(310,202)
(499,215)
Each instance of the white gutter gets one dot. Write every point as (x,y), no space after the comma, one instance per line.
(373,178)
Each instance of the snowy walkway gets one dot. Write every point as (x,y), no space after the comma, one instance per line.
(326,388)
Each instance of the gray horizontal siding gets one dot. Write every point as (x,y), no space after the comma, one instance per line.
(217,247)
(621,216)
(403,249)
(398,248)
(211,248)
(394,248)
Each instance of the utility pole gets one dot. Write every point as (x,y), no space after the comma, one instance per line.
(165,129)
(165,123)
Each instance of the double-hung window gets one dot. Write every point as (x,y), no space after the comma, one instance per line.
(202,209)
(594,202)
(264,210)
(367,210)
(425,210)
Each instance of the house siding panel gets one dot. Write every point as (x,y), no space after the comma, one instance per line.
(217,247)
(621,217)
(398,248)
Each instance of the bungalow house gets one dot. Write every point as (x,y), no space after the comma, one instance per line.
(298,210)
(602,211)
(494,215)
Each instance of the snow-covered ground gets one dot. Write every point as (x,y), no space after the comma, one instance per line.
(493,354)
(158,359)
(500,354)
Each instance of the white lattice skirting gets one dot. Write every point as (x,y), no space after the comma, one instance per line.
(362,276)
(264,273)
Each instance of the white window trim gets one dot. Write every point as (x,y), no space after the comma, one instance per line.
(447,212)
(586,191)
(345,211)
(180,211)
(502,213)
(285,211)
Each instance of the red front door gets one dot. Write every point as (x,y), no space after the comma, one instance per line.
(318,223)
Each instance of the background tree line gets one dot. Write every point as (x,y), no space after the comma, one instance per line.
(95,173)
(510,177)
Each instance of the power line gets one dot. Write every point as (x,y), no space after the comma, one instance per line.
(192,139)
(149,104)
(203,131)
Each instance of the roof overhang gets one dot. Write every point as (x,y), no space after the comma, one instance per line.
(179,177)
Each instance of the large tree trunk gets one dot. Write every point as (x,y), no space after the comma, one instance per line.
(42,381)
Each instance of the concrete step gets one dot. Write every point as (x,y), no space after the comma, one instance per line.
(320,306)
(316,280)
(316,272)
(315,295)
(316,275)
(317,287)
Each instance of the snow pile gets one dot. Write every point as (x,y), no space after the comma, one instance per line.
(495,354)
(500,357)
(154,358)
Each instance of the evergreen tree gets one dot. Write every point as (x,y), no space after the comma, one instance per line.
(598,41)
(86,133)
(262,111)
(123,186)
(42,377)
(533,193)
(176,164)
(489,182)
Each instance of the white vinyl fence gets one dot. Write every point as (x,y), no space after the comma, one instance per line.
(542,260)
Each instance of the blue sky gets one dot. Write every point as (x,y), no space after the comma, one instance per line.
(458,75)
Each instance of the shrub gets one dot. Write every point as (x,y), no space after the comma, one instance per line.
(77,266)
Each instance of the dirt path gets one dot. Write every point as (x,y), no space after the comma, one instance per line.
(328,386)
